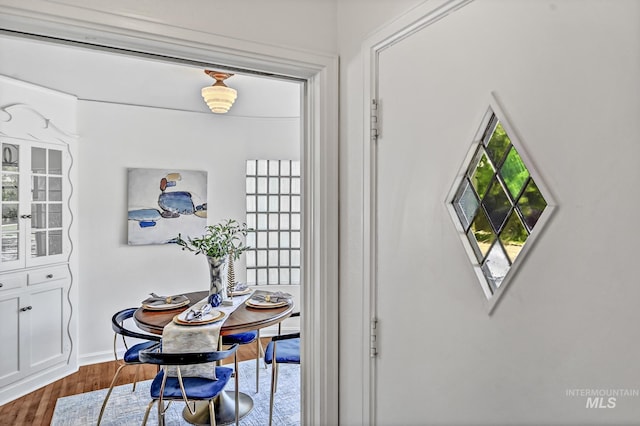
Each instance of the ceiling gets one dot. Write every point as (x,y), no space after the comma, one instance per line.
(119,78)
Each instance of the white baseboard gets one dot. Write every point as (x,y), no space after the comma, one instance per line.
(35,382)
(97,357)
(273,331)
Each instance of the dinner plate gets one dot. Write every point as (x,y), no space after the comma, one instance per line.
(165,306)
(211,316)
(265,305)
(242,292)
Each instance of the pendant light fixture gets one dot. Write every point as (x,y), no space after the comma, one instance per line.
(219,97)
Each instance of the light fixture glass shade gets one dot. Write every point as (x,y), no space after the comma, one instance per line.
(219,97)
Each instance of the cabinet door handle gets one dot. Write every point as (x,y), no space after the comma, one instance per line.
(25,216)
(49,276)
(26,308)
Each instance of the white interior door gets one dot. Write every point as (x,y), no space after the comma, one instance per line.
(566,76)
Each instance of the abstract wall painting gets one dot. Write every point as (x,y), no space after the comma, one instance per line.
(163,203)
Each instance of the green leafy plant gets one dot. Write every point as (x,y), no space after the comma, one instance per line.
(219,240)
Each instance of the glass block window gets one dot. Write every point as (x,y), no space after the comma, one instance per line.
(273,212)
(497,204)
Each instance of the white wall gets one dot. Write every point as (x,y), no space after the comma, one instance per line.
(115,137)
(308,25)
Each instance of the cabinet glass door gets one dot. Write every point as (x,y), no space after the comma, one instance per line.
(46,202)
(10,229)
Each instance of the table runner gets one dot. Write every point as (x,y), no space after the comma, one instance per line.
(178,338)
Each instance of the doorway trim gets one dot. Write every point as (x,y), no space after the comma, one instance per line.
(319,153)
(406,25)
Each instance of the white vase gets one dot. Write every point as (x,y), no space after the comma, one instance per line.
(218,276)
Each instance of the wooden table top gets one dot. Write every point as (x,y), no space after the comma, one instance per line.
(243,319)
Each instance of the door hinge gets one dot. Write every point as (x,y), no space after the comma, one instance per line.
(373,347)
(374,119)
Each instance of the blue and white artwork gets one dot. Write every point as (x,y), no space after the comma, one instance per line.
(164,203)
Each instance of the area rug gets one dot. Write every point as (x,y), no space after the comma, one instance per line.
(127,408)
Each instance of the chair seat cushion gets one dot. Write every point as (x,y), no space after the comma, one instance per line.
(287,351)
(240,338)
(133,354)
(195,387)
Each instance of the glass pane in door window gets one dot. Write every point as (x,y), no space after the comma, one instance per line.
(10,187)
(55,215)
(38,160)
(10,157)
(55,162)
(38,244)
(55,242)
(9,217)
(39,216)
(39,188)
(55,189)
(10,246)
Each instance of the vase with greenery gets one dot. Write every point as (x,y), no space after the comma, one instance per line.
(221,244)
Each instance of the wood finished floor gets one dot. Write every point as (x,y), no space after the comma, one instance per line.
(37,407)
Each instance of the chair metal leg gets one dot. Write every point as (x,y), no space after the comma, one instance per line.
(237,391)
(258,356)
(277,370)
(106,398)
(212,412)
(273,384)
(261,350)
(135,377)
(160,411)
(146,413)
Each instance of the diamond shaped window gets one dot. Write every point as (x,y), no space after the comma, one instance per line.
(497,205)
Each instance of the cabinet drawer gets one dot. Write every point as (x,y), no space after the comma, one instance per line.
(12,281)
(47,275)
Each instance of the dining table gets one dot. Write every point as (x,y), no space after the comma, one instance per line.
(243,319)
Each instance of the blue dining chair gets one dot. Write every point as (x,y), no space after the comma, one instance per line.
(245,339)
(189,389)
(131,356)
(282,349)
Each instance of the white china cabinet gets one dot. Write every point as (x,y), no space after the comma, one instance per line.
(37,263)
